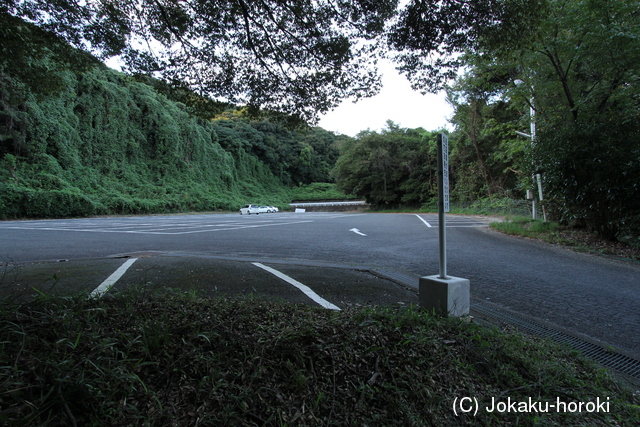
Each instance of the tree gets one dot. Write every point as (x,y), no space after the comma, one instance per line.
(582,71)
(579,63)
(294,57)
(429,37)
(298,57)
(487,155)
(396,166)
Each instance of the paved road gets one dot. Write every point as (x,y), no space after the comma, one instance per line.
(333,254)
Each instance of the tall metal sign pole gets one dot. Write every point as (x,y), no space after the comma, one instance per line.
(443,199)
(444,294)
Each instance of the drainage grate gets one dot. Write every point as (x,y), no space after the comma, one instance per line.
(604,356)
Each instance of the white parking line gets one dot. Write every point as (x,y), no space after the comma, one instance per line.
(156,230)
(111,280)
(304,288)
(468,226)
(423,220)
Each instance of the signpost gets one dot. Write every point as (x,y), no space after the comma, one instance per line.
(444,294)
(443,168)
(443,199)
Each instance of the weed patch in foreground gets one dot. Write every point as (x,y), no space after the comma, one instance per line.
(177,359)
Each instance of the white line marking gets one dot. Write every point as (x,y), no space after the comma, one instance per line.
(423,220)
(111,280)
(355,230)
(95,230)
(304,288)
(340,215)
(463,226)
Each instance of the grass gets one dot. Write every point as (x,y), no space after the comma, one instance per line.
(488,206)
(577,239)
(170,358)
(527,227)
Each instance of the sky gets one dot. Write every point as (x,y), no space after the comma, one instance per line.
(397,102)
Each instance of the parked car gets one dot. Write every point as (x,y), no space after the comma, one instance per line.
(249,209)
(264,209)
(274,209)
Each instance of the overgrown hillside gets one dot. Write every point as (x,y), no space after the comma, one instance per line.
(77,138)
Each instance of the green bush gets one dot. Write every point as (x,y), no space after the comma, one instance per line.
(319,191)
(16,202)
(591,171)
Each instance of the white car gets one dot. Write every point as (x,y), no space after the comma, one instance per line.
(274,209)
(264,209)
(249,209)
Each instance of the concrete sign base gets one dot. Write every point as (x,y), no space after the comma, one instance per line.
(448,296)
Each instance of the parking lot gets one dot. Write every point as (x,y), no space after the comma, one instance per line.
(325,259)
(74,256)
(189,224)
(328,286)
(209,254)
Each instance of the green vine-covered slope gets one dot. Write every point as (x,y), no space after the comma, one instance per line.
(78,138)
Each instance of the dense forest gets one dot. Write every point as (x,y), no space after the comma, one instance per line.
(84,139)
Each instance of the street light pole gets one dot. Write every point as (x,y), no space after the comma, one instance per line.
(532,117)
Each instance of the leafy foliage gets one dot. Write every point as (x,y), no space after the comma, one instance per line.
(428,38)
(299,58)
(319,191)
(582,71)
(102,142)
(296,58)
(590,170)
(296,157)
(108,144)
(577,66)
(487,157)
(396,166)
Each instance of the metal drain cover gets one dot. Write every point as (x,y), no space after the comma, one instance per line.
(605,356)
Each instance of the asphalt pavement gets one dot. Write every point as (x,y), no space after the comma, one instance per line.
(208,276)
(345,259)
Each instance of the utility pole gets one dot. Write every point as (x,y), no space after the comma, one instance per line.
(535,178)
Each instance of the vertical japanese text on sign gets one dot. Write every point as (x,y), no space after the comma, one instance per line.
(445,172)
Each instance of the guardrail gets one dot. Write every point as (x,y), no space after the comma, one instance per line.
(312,204)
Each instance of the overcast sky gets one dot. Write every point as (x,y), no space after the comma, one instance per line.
(397,102)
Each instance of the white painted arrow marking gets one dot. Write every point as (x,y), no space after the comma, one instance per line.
(355,230)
